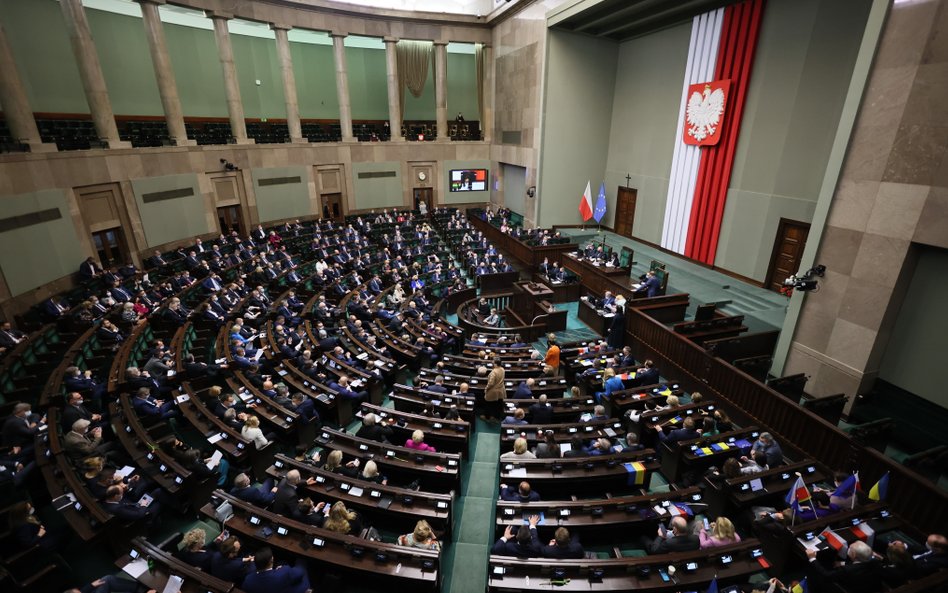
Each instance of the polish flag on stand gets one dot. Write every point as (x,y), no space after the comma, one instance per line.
(586,203)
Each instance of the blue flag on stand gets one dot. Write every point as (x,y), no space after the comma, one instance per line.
(600,210)
(713,587)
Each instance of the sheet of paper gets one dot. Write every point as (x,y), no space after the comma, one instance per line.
(214,438)
(136,568)
(215,459)
(124,472)
(173,585)
(519,472)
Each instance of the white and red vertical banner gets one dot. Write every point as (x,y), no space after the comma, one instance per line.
(708,130)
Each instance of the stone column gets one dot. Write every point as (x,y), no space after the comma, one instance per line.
(90,71)
(342,85)
(16,107)
(164,74)
(487,101)
(225,52)
(441,88)
(289,82)
(394,91)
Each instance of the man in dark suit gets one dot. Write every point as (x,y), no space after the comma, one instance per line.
(74,410)
(55,308)
(261,496)
(525,389)
(562,546)
(525,545)
(267,579)
(523,493)
(89,269)
(10,337)
(541,412)
(115,504)
(685,433)
(145,405)
(652,284)
(342,388)
(287,495)
(647,375)
(371,429)
(20,429)
(227,564)
(863,572)
(438,386)
(676,540)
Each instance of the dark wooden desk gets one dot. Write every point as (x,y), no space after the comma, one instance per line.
(563,478)
(610,428)
(449,436)
(165,565)
(387,564)
(563,292)
(591,317)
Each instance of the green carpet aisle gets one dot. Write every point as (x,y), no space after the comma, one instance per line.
(465,561)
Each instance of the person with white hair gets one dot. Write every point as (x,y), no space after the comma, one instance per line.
(863,572)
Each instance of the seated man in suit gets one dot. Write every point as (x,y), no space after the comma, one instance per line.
(526,544)
(685,433)
(287,496)
(21,428)
(522,493)
(125,510)
(525,389)
(342,388)
(562,546)
(541,412)
(261,496)
(75,410)
(269,578)
(646,375)
(652,285)
(147,406)
(438,386)
(305,407)
(227,563)
(766,450)
(81,443)
(89,270)
(678,539)
(373,430)
(863,572)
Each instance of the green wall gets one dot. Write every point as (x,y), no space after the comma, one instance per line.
(52,79)
(802,68)
(377,192)
(47,67)
(580,83)
(920,338)
(286,200)
(169,220)
(37,254)
(515,188)
(465,197)
(649,78)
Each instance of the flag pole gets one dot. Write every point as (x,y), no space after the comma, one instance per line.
(855,487)
(810,496)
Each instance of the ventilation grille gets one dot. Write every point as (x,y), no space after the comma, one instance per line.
(170,194)
(377,174)
(25,220)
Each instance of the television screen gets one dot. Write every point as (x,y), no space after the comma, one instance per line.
(468,180)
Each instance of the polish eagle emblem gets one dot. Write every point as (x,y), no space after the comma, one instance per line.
(704,112)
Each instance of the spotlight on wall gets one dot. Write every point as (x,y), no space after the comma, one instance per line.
(532,191)
(806,282)
(229,166)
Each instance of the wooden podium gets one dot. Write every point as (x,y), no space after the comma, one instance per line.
(532,301)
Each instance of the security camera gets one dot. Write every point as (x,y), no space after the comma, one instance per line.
(229,166)
(805,282)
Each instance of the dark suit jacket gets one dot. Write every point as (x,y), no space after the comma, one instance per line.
(16,433)
(286,499)
(73,413)
(285,579)
(230,569)
(126,511)
(257,496)
(861,577)
(512,494)
(523,391)
(676,543)
(572,550)
(377,432)
(649,377)
(513,548)
(540,413)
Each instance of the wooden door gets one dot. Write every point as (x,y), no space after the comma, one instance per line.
(423,193)
(625,211)
(111,247)
(229,219)
(788,249)
(332,207)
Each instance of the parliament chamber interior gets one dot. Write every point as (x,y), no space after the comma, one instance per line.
(471,296)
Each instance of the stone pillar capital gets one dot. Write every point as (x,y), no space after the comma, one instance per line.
(389,39)
(280,27)
(440,42)
(342,34)
(219,14)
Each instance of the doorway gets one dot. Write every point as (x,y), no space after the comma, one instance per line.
(110,246)
(423,193)
(625,211)
(332,207)
(788,249)
(229,219)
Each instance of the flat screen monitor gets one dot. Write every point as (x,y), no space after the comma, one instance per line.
(468,180)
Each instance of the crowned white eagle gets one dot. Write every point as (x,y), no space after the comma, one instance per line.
(704,112)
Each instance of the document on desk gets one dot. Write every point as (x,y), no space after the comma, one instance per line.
(214,438)
(124,472)
(136,568)
(173,585)
(519,472)
(356,491)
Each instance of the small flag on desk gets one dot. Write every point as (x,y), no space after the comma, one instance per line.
(600,210)
(880,489)
(800,587)
(848,487)
(636,471)
(713,587)
(864,532)
(798,493)
(836,542)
